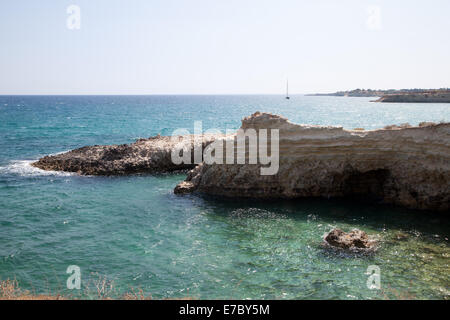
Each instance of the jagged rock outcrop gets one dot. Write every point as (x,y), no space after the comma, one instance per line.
(152,155)
(408,166)
(353,240)
(404,165)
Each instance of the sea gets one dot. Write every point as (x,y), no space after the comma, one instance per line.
(132,234)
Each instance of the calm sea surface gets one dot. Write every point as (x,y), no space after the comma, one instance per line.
(134,232)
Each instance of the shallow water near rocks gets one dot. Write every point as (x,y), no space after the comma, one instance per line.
(135,232)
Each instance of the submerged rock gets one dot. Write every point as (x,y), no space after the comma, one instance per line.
(401,236)
(355,239)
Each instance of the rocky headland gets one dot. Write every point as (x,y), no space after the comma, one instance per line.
(403,165)
(393,95)
(151,155)
(422,97)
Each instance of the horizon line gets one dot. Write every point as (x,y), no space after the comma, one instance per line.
(206,94)
(151,94)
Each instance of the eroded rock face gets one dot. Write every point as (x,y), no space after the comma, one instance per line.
(152,155)
(355,239)
(408,166)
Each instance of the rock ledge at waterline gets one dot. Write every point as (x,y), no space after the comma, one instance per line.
(151,155)
(403,165)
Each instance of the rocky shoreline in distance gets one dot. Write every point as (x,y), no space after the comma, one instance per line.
(424,97)
(392,95)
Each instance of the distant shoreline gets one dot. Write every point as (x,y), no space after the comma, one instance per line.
(392,95)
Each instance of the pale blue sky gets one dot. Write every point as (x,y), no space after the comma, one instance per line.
(221,46)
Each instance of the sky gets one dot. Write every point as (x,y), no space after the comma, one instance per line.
(222,46)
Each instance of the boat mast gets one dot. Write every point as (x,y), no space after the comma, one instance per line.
(287,88)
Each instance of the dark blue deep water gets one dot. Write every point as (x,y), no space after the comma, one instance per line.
(135,233)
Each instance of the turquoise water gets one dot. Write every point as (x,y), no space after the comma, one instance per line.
(136,233)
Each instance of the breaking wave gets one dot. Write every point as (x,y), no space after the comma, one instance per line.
(24,168)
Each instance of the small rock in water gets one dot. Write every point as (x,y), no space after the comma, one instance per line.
(355,239)
(183,187)
(401,236)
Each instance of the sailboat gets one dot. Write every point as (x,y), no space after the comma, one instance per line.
(287,89)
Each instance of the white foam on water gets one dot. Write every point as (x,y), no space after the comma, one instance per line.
(56,153)
(24,168)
